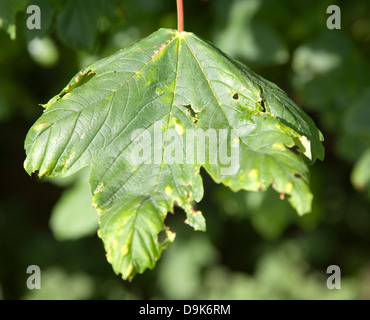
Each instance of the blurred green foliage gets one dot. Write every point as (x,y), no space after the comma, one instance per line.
(255,247)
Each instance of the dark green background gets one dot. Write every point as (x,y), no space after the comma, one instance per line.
(256,246)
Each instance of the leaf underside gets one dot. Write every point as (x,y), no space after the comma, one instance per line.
(183,83)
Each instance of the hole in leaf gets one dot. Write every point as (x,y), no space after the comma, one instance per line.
(192,113)
(262,103)
(236,96)
(190,110)
(162,236)
(294,149)
(297,175)
(81,79)
(35,175)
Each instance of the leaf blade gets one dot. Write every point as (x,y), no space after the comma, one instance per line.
(147,99)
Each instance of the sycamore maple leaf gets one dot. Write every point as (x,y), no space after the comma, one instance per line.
(155,92)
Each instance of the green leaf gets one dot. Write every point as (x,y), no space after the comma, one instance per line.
(354,137)
(8,11)
(360,176)
(268,214)
(165,86)
(130,233)
(78,22)
(249,38)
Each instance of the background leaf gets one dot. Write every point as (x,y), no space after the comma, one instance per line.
(8,11)
(361,173)
(73,216)
(250,38)
(78,22)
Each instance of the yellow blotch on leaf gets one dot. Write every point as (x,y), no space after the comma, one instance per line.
(278,146)
(178,126)
(170,235)
(124,250)
(115,244)
(253,174)
(288,187)
(41,126)
(168,190)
